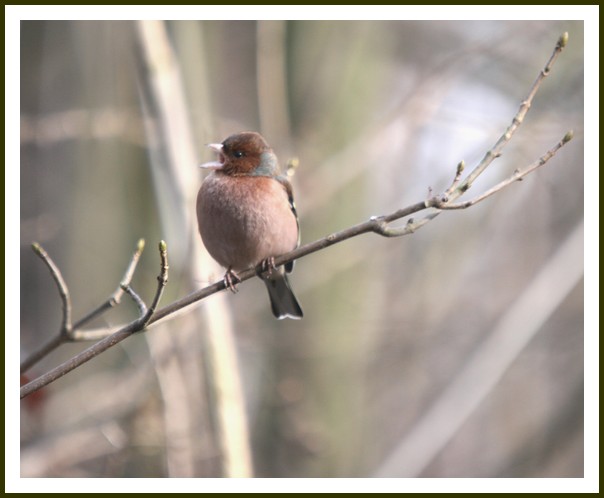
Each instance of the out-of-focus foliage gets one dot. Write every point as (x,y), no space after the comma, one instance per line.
(377,113)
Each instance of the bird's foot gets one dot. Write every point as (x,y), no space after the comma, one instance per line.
(231,280)
(267,267)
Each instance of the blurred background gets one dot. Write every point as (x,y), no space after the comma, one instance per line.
(456,351)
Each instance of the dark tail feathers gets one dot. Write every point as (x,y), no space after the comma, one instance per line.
(283,302)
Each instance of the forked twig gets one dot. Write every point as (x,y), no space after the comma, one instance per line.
(72,332)
(107,342)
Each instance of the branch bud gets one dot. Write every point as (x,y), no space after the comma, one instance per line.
(568,137)
(290,168)
(563,40)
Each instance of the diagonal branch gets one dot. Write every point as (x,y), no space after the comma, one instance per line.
(376,224)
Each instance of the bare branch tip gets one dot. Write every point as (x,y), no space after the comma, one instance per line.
(568,137)
(163,276)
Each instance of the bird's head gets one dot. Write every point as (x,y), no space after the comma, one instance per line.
(244,154)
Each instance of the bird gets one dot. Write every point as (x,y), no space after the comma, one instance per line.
(247,216)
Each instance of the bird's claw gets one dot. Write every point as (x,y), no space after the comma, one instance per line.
(231,280)
(267,266)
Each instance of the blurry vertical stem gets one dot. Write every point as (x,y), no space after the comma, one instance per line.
(164,99)
(484,369)
(271,78)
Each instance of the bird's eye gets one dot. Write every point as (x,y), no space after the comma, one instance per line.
(238,154)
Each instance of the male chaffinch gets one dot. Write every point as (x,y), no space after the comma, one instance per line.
(246,215)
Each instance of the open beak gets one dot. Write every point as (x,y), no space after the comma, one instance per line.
(215,164)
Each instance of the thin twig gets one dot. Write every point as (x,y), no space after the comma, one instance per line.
(516,176)
(458,172)
(495,151)
(410,227)
(61,286)
(140,304)
(116,296)
(66,327)
(162,280)
(458,187)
